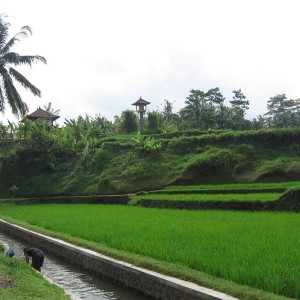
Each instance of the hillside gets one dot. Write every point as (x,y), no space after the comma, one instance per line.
(118,165)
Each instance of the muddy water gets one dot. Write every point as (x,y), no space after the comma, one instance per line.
(78,283)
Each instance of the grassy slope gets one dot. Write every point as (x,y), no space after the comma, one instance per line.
(18,281)
(118,166)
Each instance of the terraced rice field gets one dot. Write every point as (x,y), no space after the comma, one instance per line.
(256,249)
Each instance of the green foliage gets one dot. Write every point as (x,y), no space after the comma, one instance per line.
(150,144)
(138,139)
(182,145)
(75,160)
(283,112)
(170,120)
(213,160)
(153,122)
(129,121)
(205,110)
(116,147)
(246,150)
(10,161)
(100,159)
(277,168)
(85,134)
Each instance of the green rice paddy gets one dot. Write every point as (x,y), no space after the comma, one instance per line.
(256,249)
(236,186)
(211,197)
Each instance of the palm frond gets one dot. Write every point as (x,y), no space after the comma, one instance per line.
(25,31)
(29,59)
(24,82)
(3,33)
(16,59)
(18,107)
(48,108)
(2,100)
(8,92)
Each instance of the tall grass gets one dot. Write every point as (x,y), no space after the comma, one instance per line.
(211,197)
(260,250)
(20,282)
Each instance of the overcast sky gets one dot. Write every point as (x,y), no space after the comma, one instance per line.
(103,55)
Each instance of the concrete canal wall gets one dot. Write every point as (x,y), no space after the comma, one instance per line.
(152,284)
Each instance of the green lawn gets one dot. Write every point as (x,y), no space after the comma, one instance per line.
(256,249)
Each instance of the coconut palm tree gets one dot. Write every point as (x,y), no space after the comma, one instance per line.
(49,109)
(8,92)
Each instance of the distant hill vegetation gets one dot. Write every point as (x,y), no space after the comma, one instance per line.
(44,163)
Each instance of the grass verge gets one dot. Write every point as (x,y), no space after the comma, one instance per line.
(18,281)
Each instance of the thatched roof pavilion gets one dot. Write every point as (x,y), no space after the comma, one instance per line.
(42,114)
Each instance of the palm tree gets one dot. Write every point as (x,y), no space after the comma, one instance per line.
(49,109)
(8,92)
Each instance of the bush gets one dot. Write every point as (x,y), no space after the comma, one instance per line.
(100,159)
(246,150)
(129,121)
(214,160)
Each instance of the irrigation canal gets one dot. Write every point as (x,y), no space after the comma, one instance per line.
(78,283)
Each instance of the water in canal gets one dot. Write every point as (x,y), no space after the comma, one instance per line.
(78,283)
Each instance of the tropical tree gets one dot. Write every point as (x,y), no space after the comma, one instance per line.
(192,112)
(214,103)
(283,112)
(201,107)
(129,121)
(259,122)
(153,122)
(239,101)
(8,91)
(239,105)
(52,111)
(169,119)
(223,117)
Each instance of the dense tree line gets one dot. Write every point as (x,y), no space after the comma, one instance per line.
(207,110)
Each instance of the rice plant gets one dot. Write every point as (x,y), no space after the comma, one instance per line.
(211,197)
(257,249)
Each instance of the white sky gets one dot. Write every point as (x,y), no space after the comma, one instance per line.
(103,55)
